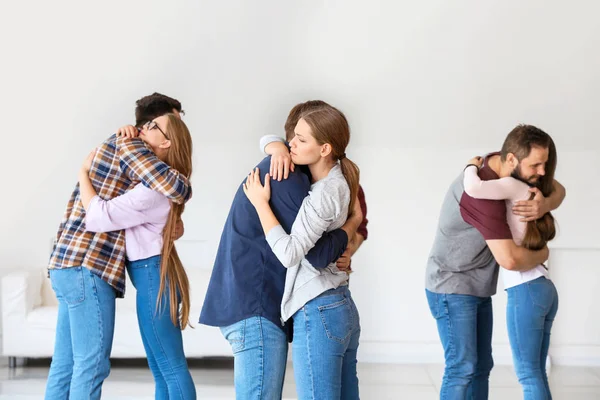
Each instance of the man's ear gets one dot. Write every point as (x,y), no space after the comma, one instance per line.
(512,160)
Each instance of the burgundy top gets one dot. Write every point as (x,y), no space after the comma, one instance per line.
(362,229)
(487,216)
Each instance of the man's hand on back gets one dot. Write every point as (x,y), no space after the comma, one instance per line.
(344,263)
(533,209)
(537,207)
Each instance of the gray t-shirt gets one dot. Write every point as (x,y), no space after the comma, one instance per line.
(460,261)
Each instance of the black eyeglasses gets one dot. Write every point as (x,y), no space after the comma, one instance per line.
(153,125)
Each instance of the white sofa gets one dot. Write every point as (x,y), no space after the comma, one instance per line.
(29,310)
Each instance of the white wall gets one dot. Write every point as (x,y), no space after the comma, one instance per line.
(425,85)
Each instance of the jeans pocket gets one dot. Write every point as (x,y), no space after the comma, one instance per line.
(337,320)
(433,299)
(235,334)
(68,284)
(541,292)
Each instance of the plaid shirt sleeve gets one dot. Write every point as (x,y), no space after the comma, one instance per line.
(139,163)
(362,228)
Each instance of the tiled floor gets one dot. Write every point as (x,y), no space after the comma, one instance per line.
(214,380)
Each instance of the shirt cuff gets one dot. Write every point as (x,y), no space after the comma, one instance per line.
(275,234)
(268,139)
(91,214)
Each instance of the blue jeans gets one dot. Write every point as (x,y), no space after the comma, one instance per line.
(326,335)
(465,327)
(162,340)
(84,334)
(260,355)
(530,312)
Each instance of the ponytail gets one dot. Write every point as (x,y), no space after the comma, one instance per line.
(352,174)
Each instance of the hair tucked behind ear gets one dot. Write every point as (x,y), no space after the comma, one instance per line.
(329,125)
(295,114)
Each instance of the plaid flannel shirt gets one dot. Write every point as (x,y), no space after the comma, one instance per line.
(118,165)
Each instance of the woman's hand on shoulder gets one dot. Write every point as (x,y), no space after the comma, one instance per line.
(128,131)
(477,161)
(255,191)
(87,163)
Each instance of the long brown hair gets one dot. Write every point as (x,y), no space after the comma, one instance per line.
(329,125)
(520,142)
(172,272)
(295,114)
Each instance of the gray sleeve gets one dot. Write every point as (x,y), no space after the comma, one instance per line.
(265,140)
(315,216)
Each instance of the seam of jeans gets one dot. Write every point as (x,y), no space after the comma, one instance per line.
(310,371)
(488,352)
(436,312)
(451,344)
(150,357)
(518,357)
(444,299)
(356,316)
(101,333)
(53,382)
(262,358)
(242,341)
(157,336)
(80,281)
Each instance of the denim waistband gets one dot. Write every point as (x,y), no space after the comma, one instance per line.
(153,261)
(344,290)
(540,279)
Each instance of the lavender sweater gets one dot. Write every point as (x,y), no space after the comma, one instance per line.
(142,212)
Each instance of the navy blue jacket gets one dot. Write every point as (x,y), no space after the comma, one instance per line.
(247,279)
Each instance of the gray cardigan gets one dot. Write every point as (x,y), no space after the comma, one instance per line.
(323,210)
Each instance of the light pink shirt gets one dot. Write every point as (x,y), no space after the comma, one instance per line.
(142,212)
(511,190)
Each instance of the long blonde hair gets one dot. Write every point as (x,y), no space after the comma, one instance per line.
(329,125)
(172,272)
